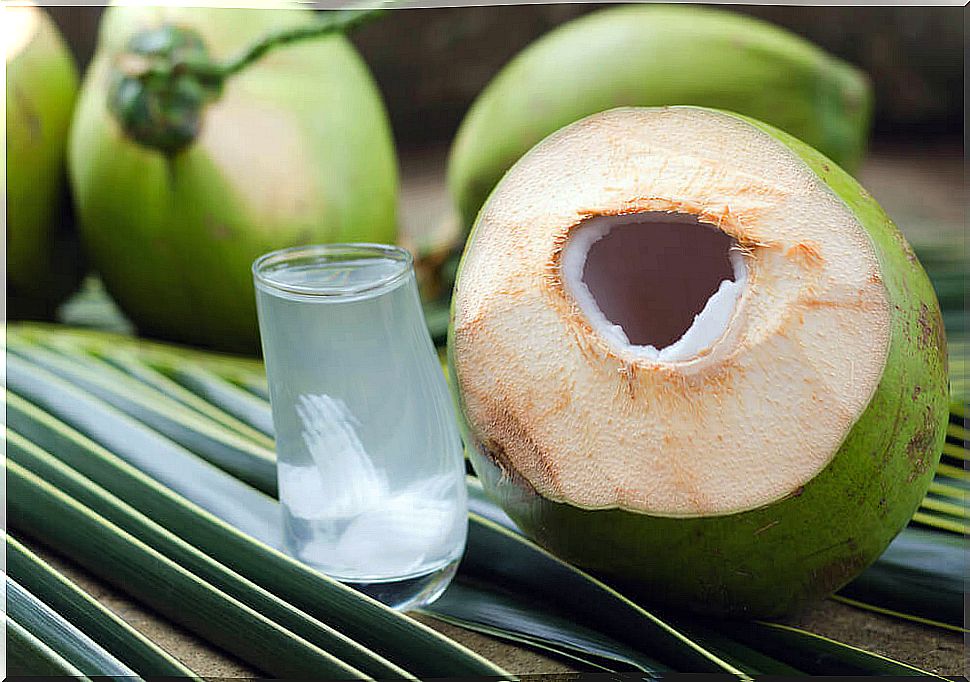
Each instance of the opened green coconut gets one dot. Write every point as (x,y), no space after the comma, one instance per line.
(181,181)
(43,264)
(694,355)
(643,55)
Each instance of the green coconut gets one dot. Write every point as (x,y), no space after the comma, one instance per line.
(693,355)
(294,149)
(642,55)
(43,264)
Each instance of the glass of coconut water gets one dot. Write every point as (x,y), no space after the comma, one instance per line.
(369,459)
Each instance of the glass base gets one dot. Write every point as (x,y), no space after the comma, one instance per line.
(411,592)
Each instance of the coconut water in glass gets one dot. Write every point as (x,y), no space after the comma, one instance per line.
(369,459)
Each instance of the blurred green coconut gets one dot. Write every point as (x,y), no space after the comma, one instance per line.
(43,265)
(651,55)
(181,181)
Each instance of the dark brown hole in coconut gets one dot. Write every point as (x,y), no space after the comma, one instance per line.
(651,277)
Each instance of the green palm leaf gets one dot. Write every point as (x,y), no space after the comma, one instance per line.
(82,652)
(819,655)
(28,655)
(127,644)
(503,586)
(155,353)
(130,363)
(921,575)
(255,464)
(58,438)
(499,556)
(41,511)
(229,397)
(722,642)
(153,453)
(489,609)
(112,509)
(384,631)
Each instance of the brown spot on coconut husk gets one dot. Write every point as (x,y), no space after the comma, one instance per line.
(808,254)
(919,449)
(931,330)
(905,246)
(509,433)
(836,573)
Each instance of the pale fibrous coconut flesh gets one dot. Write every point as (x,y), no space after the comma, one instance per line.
(695,356)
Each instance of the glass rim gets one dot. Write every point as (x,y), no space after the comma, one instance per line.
(332,253)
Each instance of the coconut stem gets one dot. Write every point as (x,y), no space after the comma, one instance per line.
(335,21)
(166,78)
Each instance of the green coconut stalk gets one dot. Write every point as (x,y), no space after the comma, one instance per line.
(43,260)
(204,137)
(131,647)
(640,55)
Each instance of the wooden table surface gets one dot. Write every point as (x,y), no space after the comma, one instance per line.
(922,189)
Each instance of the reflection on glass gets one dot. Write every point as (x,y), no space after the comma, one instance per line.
(370,468)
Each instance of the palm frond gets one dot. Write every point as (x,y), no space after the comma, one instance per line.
(130,647)
(506,585)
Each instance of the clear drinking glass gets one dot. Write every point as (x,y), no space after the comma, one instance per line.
(369,459)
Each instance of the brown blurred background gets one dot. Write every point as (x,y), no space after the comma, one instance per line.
(430,63)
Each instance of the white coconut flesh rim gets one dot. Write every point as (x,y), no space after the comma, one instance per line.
(657,286)
(666,311)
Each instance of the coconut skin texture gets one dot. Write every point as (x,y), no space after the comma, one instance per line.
(297,149)
(772,559)
(43,259)
(642,55)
